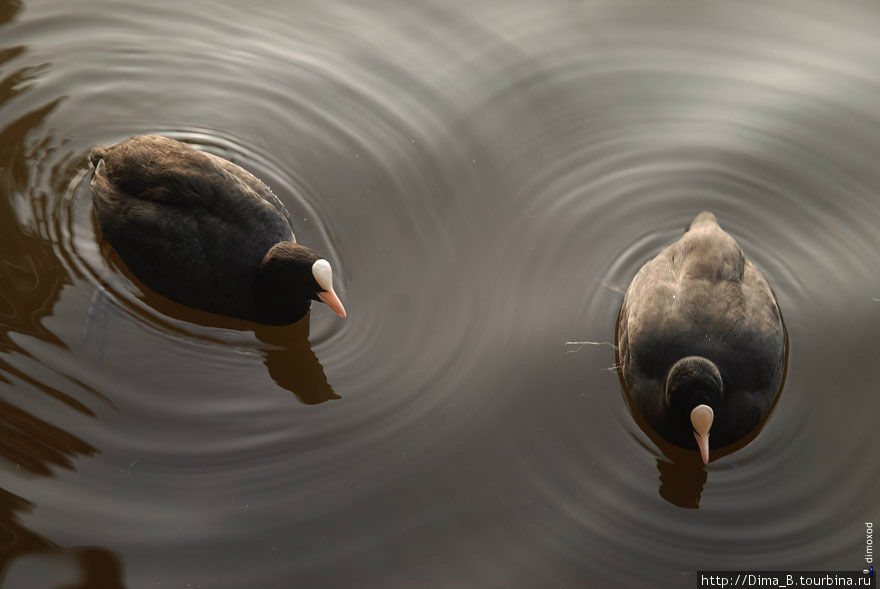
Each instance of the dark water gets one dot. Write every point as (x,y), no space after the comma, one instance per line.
(486,179)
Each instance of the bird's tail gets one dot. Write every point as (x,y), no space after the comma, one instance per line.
(704,218)
(97,153)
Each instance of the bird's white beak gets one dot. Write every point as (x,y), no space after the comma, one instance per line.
(324,277)
(701,418)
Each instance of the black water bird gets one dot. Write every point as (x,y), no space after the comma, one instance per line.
(204,232)
(701,342)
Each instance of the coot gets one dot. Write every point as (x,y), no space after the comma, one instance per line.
(701,343)
(204,232)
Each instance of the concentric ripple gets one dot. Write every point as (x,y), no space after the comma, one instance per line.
(486,181)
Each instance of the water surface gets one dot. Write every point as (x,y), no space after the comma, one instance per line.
(486,179)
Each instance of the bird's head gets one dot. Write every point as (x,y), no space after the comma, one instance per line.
(693,387)
(292,275)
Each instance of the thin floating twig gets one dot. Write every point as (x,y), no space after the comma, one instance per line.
(582,344)
(613,288)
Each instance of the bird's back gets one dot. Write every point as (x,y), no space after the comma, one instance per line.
(189,224)
(155,169)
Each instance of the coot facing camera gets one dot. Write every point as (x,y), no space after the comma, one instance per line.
(205,233)
(701,342)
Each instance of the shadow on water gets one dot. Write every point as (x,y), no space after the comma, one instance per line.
(287,351)
(681,483)
(32,279)
(292,364)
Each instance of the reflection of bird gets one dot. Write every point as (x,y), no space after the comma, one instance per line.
(292,363)
(204,232)
(701,340)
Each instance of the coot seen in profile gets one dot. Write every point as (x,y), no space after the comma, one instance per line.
(204,232)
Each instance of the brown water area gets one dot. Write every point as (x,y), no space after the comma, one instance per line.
(486,179)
